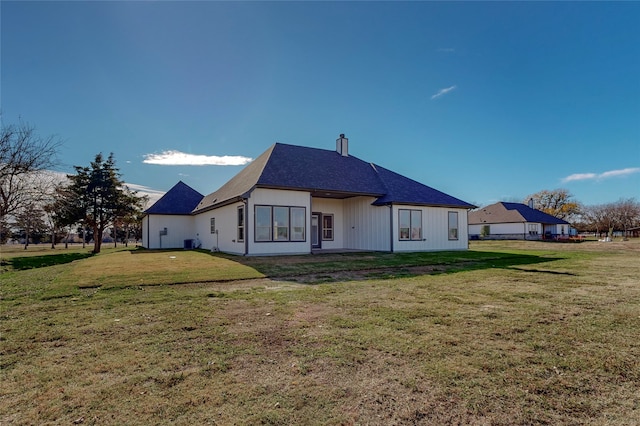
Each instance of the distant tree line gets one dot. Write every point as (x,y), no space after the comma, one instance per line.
(619,216)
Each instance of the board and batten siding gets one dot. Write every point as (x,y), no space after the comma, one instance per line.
(273,197)
(334,207)
(226,225)
(435,230)
(179,228)
(366,227)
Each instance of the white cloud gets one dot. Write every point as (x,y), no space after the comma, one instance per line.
(443,91)
(604,175)
(177,158)
(446,49)
(144,189)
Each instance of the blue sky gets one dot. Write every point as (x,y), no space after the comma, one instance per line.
(485,101)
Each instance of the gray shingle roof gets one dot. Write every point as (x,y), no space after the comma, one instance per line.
(512,213)
(315,170)
(181,199)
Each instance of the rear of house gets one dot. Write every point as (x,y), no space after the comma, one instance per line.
(298,200)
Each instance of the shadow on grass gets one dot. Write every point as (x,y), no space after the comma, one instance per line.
(542,271)
(32,262)
(322,268)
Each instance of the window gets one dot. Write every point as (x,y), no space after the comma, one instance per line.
(263,223)
(533,229)
(213,225)
(280,223)
(410,224)
(327,227)
(297,223)
(453,225)
(240,224)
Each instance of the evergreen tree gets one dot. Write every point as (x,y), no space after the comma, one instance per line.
(97,196)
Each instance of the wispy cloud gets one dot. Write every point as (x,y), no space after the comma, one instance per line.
(600,176)
(143,189)
(444,91)
(153,195)
(446,49)
(177,158)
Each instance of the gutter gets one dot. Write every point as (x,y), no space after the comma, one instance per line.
(245,201)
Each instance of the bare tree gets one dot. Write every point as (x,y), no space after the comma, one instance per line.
(626,213)
(618,216)
(23,153)
(595,218)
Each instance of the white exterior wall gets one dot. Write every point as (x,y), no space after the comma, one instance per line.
(328,206)
(435,230)
(179,228)
(506,230)
(500,228)
(226,238)
(272,197)
(366,227)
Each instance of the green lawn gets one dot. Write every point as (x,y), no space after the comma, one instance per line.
(506,333)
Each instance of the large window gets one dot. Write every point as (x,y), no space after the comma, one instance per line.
(453,225)
(263,223)
(280,223)
(410,224)
(240,224)
(298,221)
(327,227)
(533,229)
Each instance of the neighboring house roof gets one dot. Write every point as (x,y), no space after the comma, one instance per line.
(181,199)
(325,173)
(512,213)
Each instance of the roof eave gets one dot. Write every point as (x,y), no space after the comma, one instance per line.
(226,202)
(316,190)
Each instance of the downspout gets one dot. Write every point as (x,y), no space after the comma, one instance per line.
(305,223)
(391,227)
(246,225)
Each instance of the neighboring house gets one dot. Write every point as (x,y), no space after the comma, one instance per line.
(515,221)
(297,200)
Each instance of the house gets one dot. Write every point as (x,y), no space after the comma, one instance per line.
(515,221)
(298,200)
(172,211)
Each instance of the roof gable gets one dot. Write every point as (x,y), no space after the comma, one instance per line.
(512,213)
(181,199)
(239,185)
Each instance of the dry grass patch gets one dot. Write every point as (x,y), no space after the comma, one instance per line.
(529,343)
(145,267)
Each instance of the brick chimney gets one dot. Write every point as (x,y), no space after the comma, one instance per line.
(342,145)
